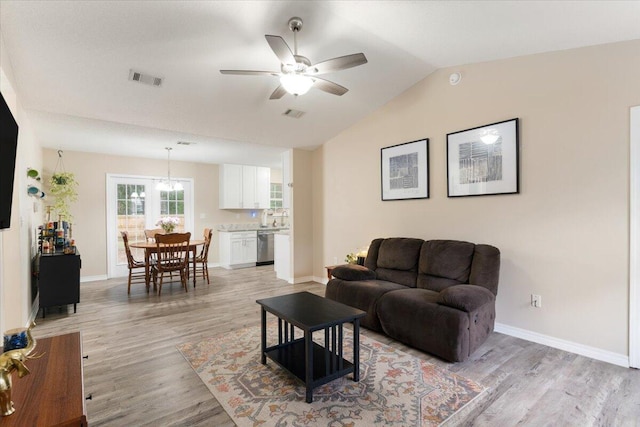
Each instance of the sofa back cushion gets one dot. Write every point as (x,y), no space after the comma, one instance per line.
(395,259)
(434,264)
(444,263)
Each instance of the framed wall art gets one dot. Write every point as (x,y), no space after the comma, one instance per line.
(483,160)
(405,171)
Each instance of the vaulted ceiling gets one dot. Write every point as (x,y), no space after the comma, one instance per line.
(71,62)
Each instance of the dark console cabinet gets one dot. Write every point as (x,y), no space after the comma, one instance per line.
(58,280)
(53,394)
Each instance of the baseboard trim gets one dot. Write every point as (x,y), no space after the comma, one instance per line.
(322,280)
(302,279)
(93,278)
(237,266)
(560,344)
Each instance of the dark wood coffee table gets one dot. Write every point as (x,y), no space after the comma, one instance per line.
(310,362)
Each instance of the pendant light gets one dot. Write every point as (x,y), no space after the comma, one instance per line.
(168,185)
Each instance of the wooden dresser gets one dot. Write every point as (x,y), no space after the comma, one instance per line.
(53,394)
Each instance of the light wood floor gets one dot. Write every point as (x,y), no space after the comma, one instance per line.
(138,378)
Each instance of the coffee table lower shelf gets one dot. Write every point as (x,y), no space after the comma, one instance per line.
(327,366)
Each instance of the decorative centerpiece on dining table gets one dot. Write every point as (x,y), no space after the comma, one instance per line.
(168,223)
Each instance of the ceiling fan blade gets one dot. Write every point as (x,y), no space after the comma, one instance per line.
(250,73)
(340,63)
(281,49)
(278,93)
(329,87)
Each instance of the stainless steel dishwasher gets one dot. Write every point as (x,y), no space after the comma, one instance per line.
(265,247)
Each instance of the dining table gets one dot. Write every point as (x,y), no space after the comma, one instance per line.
(151,248)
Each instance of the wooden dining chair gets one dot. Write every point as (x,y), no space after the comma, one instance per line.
(135,275)
(201,261)
(150,235)
(173,255)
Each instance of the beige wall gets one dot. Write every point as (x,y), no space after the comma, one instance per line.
(17,244)
(89,228)
(565,236)
(302,215)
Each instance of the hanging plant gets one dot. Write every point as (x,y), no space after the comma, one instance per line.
(64,189)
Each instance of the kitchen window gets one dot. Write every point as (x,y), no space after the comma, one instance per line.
(276,195)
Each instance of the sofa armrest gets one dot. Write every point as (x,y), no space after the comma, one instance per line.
(465,297)
(353,272)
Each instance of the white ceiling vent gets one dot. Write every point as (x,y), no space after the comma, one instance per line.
(296,114)
(147,79)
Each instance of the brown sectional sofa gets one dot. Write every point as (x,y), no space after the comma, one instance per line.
(436,295)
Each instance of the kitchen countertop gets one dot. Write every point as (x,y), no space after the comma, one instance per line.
(249,227)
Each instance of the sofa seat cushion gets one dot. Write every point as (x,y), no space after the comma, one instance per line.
(414,317)
(353,272)
(434,283)
(406,278)
(362,294)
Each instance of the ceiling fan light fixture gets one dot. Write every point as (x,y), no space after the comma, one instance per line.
(296,84)
(297,74)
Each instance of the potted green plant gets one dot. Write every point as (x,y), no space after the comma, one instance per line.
(64,189)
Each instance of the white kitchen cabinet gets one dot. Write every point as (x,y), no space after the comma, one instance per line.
(248,187)
(244,187)
(230,187)
(238,249)
(263,187)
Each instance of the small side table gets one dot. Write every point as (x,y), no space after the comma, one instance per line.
(330,270)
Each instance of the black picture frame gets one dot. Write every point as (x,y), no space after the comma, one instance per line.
(484,160)
(404,171)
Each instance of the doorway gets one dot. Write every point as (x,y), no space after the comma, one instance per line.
(134,205)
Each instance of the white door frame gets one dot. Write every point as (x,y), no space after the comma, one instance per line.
(2,269)
(112,179)
(634,238)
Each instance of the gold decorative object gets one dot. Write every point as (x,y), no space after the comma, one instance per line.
(13,360)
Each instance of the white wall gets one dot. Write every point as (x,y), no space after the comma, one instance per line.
(565,236)
(302,215)
(18,245)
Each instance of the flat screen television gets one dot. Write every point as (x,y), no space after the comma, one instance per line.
(8,148)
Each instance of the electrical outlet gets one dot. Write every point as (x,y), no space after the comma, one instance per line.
(536,301)
(335,260)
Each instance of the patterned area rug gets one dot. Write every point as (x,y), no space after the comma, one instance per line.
(395,388)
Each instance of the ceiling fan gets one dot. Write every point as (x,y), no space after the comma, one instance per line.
(297,74)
